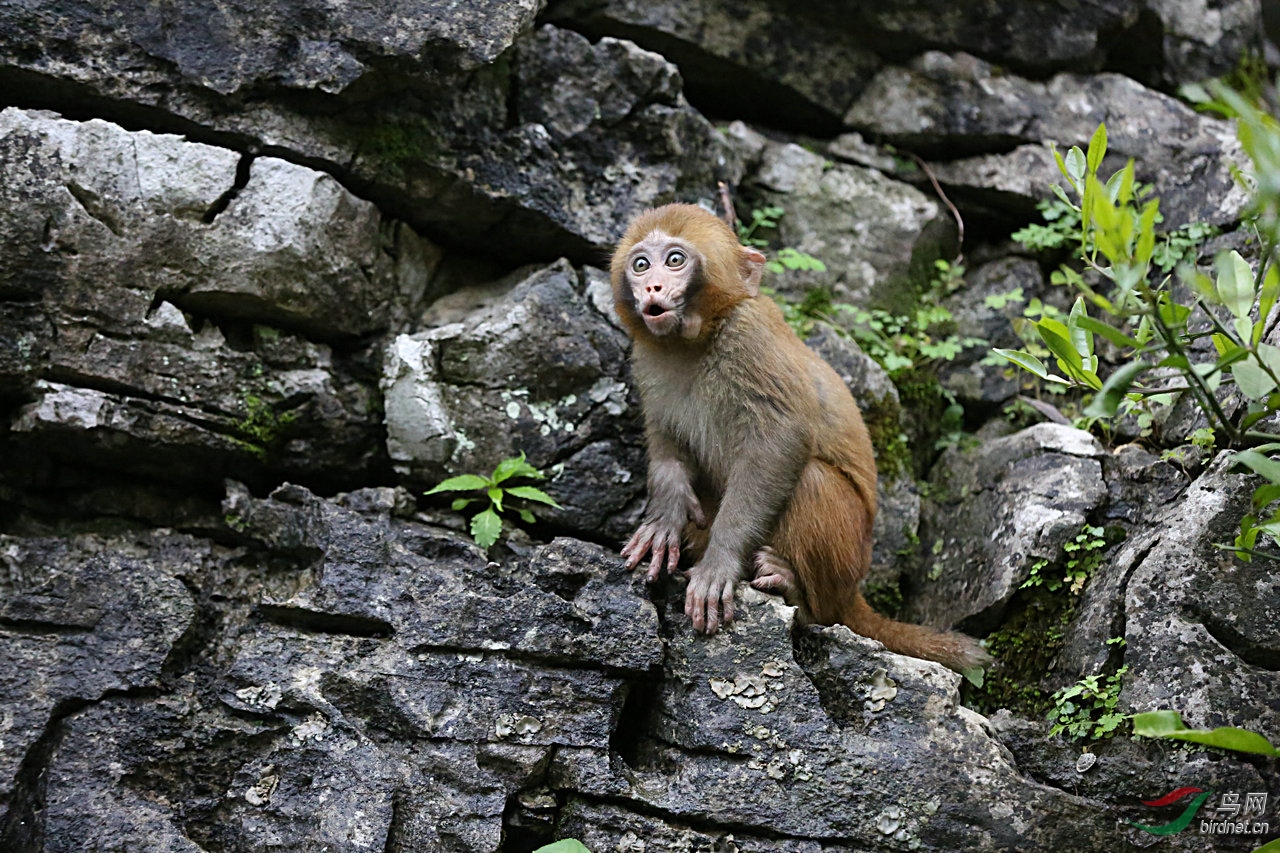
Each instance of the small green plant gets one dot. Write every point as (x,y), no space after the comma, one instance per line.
(1083,556)
(786,258)
(1087,709)
(487,524)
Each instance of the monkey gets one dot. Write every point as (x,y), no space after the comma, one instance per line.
(758,456)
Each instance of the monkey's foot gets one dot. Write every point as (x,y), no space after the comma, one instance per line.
(774,574)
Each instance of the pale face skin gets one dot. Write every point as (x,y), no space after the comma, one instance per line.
(663,272)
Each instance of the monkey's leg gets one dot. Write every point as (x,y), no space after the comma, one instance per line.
(775,575)
(825,536)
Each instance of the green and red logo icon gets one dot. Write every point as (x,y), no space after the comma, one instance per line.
(1183,820)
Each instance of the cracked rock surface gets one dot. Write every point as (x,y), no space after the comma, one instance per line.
(266,279)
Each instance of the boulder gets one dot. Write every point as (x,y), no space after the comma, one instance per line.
(536,371)
(877,237)
(992,510)
(82,618)
(197,322)
(416,107)
(960,104)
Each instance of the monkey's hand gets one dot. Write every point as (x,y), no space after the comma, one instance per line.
(708,600)
(659,533)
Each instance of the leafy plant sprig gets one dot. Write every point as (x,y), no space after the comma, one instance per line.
(1153,329)
(786,258)
(1087,709)
(487,524)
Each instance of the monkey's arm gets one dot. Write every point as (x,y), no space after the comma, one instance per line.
(672,504)
(761,480)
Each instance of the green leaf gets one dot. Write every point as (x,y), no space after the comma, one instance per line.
(461,483)
(1267,298)
(460,504)
(1169,724)
(568,845)
(1097,148)
(975,675)
(1235,284)
(525,516)
(1253,380)
(1107,401)
(1261,465)
(1107,331)
(514,466)
(1075,166)
(1147,230)
(1025,360)
(1267,494)
(485,528)
(1057,337)
(1269,847)
(495,495)
(1066,173)
(1081,338)
(529,493)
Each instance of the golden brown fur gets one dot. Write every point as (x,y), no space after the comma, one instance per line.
(754,441)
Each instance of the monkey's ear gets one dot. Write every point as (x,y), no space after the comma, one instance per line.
(752,265)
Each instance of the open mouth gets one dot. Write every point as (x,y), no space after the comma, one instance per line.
(655,311)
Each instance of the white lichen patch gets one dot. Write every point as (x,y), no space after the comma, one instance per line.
(882,690)
(265,696)
(547,415)
(609,393)
(259,793)
(752,691)
(311,729)
(521,726)
(889,821)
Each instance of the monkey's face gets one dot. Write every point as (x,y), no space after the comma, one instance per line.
(663,274)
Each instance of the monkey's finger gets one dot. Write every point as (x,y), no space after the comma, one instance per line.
(714,620)
(659,546)
(673,556)
(638,546)
(726,602)
(695,606)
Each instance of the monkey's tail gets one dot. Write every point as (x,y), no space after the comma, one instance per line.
(949,648)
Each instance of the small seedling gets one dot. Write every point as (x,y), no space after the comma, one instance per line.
(487,524)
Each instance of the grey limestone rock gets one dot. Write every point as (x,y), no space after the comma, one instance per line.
(992,510)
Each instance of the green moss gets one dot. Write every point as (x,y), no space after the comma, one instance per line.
(893,453)
(1026,646)
(884,597)
(398,144)
(1024,650)
(261,429)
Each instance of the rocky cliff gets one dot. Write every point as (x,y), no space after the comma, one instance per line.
(269,273)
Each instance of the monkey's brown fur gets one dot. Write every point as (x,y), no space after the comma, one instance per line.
(752,432)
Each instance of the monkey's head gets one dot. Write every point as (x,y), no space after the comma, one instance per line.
(679,267)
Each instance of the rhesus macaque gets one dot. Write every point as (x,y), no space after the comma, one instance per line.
(758,456)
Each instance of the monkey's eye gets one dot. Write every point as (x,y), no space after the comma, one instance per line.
(640,264)
(676,259)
